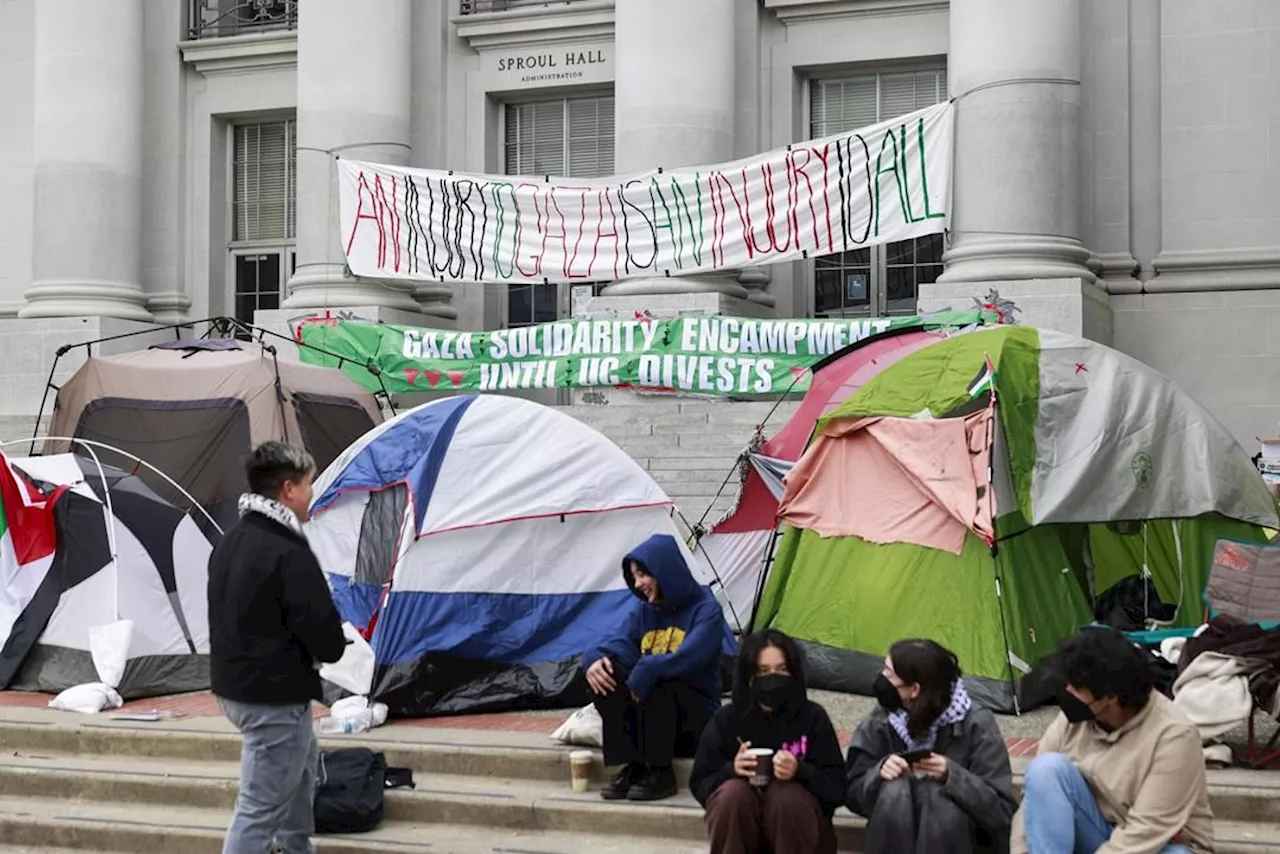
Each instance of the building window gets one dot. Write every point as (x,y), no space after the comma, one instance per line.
(212,19)
(877,280)
(569,137)
(263,214)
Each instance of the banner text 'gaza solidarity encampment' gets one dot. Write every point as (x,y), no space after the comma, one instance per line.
(690,355)
(884,183)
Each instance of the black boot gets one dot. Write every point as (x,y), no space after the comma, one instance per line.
(622,782)
(658,783)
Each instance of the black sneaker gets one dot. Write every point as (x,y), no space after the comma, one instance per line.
(618,788)
(656,785)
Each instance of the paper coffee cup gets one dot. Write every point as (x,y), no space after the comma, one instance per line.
(580,762)
(764,766)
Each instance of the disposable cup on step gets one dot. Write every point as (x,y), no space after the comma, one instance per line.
(580,762)
(764,766)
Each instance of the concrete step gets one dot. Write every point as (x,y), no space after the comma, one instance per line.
(100,801)
(115,784)
(42,824)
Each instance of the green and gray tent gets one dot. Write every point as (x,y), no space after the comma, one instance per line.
(983,491)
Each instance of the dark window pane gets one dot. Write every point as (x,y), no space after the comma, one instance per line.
(246,305)
(929,249)
(545,309)
(901,286)
(257,284)
(927,274)
(520,305)
(826,291)
(901,252)
(856,258)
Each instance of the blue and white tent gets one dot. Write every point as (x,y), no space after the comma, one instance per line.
(478,542)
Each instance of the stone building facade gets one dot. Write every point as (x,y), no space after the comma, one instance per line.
(1117,162)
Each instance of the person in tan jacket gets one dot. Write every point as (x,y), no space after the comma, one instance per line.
(1120,771)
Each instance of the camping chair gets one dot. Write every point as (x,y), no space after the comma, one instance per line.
(1244,583)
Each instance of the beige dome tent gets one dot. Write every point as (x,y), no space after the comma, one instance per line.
(194,408)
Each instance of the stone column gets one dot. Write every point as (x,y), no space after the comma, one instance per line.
(354,100)
(87,152)
(1015,68)
(674,105)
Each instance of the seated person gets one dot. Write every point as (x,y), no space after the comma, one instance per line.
(1120,769)
(657,680)
(770,709)
(929,770)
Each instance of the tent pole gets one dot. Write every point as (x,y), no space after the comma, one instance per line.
(765,566)
(110,518)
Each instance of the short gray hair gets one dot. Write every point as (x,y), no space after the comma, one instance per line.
(272,464)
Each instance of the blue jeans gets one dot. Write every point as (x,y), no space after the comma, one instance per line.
(1060,812)
(278,763)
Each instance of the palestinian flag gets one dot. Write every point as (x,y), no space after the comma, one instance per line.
(985,381)
(27,544)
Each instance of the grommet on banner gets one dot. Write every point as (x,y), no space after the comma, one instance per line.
(450,173)
(804,253)
(788,146)
(667,273)
(659,170)
(546,179)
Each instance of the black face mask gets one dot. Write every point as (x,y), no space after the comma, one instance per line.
(773,689)
(1077,711)
(886,694)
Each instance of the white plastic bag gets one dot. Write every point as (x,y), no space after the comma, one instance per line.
(583,728)
(354,671)
(353,714)
(109,647)
(89,699)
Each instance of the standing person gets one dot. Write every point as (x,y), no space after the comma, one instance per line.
(770,709)
(1121,769)
(929,770)
(271,620)
(657,678)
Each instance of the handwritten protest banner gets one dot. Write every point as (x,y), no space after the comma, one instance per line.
(722,356)
(887,182)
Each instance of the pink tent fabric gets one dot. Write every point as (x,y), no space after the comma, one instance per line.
(896,480)
(757,509)
(736,545)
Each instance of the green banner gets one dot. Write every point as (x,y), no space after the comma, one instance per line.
(722,356)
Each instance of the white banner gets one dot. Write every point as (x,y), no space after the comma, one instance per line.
(887,182)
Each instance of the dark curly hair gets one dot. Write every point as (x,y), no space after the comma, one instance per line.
(1106,664)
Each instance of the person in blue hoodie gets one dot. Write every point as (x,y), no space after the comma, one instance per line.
(657,679)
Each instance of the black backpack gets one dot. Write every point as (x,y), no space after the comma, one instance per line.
(350,788)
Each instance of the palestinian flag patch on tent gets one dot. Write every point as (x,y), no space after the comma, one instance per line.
(985,381)
(27,542)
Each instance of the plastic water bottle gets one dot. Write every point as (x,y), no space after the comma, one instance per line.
(360,721)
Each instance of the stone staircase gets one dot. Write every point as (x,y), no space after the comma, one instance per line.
(106,786)
(689,447)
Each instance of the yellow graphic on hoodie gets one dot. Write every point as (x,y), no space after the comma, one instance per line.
(661,641)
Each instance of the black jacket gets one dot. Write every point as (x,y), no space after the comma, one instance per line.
(821,766)
(271,617)
(979,779)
